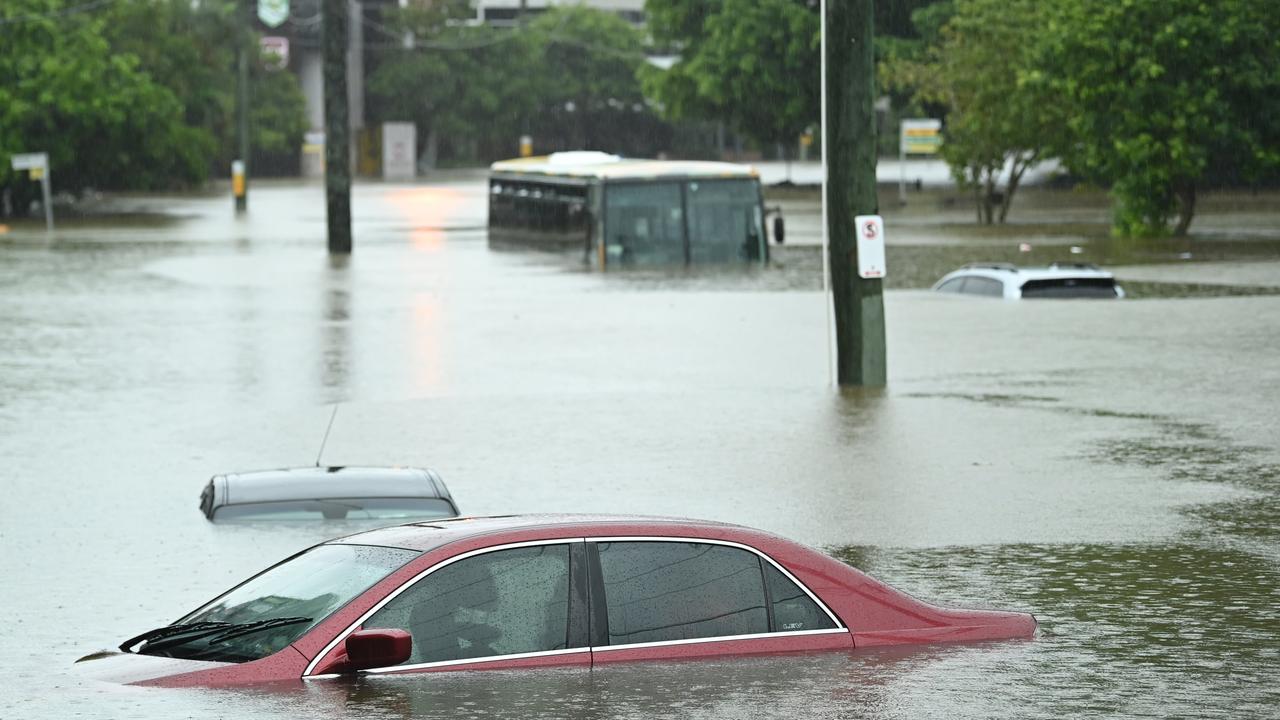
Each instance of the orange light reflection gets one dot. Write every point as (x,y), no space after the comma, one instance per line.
(428,210)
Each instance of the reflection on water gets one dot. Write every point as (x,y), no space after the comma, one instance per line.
(335,342)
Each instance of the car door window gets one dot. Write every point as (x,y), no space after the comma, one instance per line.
(500,603)
(792,608)
(952,286)
(661,591)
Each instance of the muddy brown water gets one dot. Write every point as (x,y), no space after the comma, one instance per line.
(1112,467)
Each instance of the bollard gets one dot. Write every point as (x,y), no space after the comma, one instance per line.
(526,146)
(237,184)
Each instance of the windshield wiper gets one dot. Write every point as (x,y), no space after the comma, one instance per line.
(253,627)
(171,630)
(219,631)
(215,630)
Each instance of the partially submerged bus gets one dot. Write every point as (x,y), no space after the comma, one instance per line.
(624,212)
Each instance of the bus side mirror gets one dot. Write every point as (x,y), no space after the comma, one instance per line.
(779,229)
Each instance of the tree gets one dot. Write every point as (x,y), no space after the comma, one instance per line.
(189,48)
(998,120)
(568,77)
(1160,90)
(130,95)
(751,63)
(587,91)
(103,120)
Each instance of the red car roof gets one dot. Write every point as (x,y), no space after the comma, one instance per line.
(432,534)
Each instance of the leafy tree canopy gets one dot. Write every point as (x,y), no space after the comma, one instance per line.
(567,77)
(1158,91)
(751,63)
(131,95)
(998,123)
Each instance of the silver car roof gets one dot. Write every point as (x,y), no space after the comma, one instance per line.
(319,483)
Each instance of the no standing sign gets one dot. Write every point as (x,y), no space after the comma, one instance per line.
(870,230)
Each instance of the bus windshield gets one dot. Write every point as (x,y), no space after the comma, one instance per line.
(677,222)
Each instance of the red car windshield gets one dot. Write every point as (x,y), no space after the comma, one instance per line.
(267,612)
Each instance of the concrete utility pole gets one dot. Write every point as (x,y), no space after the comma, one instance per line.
(337,151)
(849,145)
(240,173)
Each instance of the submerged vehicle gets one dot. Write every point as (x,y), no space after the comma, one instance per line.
(328,493)
(625,212)
(1011,282)
(533,591)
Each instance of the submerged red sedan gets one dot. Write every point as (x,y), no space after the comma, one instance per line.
(532,591)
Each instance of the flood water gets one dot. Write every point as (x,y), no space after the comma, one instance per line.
(1112,467)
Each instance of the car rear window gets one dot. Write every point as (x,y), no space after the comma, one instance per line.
(1070,288)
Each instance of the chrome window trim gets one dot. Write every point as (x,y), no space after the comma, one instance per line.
(708,541)
(413,581)
(839,628)
(471,661)
(721,638)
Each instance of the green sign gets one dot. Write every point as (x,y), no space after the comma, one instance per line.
(273,13)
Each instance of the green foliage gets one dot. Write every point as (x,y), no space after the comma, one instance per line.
(568,78)
(1158,91)
(979,69)
(277,122)
(130,95)
(751,63)
(101,118)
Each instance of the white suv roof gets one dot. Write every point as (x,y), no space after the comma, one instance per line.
(1058,280)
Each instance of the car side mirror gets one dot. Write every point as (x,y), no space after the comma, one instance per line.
(779,229)
(382,647)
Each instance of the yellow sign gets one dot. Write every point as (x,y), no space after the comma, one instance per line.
(921,137)
(36,173)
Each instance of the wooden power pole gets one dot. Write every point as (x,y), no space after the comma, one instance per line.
(850,148)
(337,152)
(240,179)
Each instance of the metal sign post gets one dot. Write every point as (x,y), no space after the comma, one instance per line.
(37,167)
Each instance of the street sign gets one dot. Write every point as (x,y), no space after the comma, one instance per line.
(870,229)
(37,167)
(275,52)
(273,13)
(30,161)
(921,136)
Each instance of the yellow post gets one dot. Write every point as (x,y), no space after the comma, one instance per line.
(237,182)
(526,146)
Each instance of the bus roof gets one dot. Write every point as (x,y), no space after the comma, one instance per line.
(603,166)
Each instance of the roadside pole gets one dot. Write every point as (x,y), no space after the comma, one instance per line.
(850,189)
(902,171)
(240,179)
(337,151)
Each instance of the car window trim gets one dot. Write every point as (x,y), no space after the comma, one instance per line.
(595,580)
(840,626)
(328,648)
(722,638)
